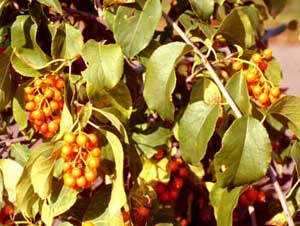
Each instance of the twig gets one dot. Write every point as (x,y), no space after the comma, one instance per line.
(85,15)
(281,196)
(252,214)
(207,65)
(9,142)
(235,109)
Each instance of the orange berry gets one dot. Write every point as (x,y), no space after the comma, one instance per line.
(76,172)
(81,139)
(60,83)
(47,111)
(96,152)
(44,128)
(263,98)
(54,105)
(66,150)
(67,166)
(69,180)
(268,54)
(48,135)
(81,182)
(28,90)
(93,163)
(57,95)
(256,90)
(237,65)
(69,138)
(53,126)
(184,222)
(251,76)
(273,100)
(49,93)
(92,140)
(90,175)
(244,200)
(37,83)
(256,58)
(30,106)
(37,114)
(275,91)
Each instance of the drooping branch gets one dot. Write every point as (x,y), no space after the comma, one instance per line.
(234,107)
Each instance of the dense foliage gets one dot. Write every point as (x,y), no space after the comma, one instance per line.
(111,114)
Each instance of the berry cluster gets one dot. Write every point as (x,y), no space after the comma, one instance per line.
(251,195)
(169,192)
(259,87)
(44,101)
(82,158)
(6,212)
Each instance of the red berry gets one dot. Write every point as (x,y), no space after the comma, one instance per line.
(143,211)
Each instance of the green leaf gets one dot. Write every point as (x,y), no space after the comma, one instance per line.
(203,8)
(118,196)
(42,170)
(23,34)
(273,71)
(105,65)
(67,42)
(11,171)
(148,142)
(161,80)
(196,127)
(66,121)
(61,200)
(245,154)
(22,68)
(135,25)
(153,171)
(295,154)
(237,88)
(118,98)
(5,80)
(20,153)
(286,109)
(18,107)
(205,89)
(241,26)
(98,205)
(53,4)
(224,201)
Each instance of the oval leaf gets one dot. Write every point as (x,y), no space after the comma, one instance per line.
(105,65)
(134,25)
(224,201)
(237,88)
(161,80)
(287,110)
(245,154)
(11,171)
(196,127)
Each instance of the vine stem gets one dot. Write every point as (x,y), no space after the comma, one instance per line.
(234,108)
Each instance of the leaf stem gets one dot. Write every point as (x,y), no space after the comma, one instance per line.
(234,107)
